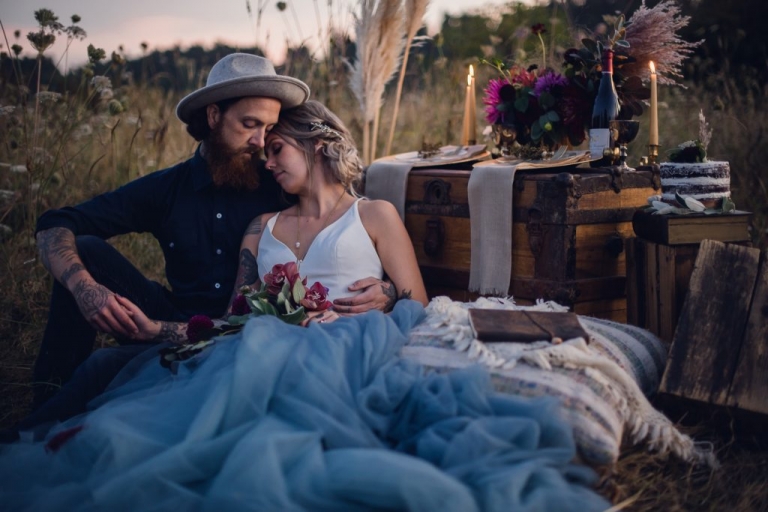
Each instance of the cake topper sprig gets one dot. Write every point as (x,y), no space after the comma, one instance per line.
(694,151)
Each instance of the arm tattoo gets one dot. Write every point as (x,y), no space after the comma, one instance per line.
(174,332)
(90,297)
(56,242)
(67,274)
(389,290)
(254,228)
(405,294)
(248,272)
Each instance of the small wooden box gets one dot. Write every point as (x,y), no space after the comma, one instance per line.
(659,269)
(568,234)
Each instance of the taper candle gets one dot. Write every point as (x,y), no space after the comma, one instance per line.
(467,113)
(653,138)
(472,138)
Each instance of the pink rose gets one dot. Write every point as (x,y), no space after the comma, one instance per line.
(240,306)
(316,298)
(197,327)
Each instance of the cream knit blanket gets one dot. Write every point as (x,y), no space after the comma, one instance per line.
(449,320)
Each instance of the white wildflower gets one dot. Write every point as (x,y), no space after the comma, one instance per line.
(101,82)
(7,110)
(106,94)
(18,169)
(84,130)
(48,96)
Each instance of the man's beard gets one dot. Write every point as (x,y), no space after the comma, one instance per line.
(234,168)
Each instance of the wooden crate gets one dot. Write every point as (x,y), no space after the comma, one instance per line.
(719,354)
(568,234)
(660,262)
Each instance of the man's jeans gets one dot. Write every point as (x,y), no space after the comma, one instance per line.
(69,338)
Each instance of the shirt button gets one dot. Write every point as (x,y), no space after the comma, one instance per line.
(217,286)
(218,251)
(170,245)
(218,215)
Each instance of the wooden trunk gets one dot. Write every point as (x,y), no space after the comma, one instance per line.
(568,234)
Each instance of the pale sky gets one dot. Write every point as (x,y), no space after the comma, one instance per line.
(165,23)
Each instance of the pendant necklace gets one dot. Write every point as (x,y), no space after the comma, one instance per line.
(325,224)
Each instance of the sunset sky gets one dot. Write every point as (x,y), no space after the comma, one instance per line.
(165,23)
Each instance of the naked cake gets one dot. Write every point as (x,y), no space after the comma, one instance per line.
(708,182)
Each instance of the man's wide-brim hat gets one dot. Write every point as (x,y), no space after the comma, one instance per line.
(241,75)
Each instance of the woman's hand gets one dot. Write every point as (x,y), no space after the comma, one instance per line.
(320,317)
(148,330)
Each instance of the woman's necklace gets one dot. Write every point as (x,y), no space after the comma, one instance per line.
(325,224)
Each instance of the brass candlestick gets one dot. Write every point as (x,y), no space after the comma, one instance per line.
(653,154)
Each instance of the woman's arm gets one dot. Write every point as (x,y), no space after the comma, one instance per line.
(383,224)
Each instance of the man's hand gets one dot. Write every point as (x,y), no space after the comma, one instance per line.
(100,307)
(154,330)
(377,294)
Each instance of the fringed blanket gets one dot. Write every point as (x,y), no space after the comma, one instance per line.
(601,399)
(285,418)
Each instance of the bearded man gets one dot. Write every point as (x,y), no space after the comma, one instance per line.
(197,210)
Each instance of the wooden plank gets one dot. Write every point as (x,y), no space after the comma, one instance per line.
(705,349)
(651,286)
(608,199)
(666,292)
(749,389)
(610,309)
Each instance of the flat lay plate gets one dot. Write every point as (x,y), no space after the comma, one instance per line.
(447,155)
(562,159)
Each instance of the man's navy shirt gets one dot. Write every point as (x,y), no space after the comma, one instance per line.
(198,225)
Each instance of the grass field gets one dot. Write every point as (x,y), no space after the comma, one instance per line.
(59,150)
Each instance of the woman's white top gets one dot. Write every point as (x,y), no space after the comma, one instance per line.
(339,255)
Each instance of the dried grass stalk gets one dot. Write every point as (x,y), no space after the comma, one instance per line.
(379,30)
(417,8)
(652,36)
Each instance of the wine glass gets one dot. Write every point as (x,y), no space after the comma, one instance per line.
(624,132)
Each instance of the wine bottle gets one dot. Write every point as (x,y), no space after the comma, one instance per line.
(606,109)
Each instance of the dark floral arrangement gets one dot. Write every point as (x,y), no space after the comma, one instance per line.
(542,106)
(283,294)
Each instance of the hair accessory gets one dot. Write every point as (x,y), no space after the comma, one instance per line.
(325,129)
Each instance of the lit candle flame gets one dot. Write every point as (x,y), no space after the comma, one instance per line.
(471,70)
(650,63)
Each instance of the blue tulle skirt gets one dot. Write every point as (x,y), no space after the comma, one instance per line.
(282,418)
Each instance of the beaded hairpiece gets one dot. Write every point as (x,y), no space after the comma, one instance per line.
(325,129)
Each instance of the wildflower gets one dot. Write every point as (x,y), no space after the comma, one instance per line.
(48,96)
(16,49)
(492,99)
(18,169)
(101,82)
(7,110)
(95,54)
(115,107)
(106,94)
(538,28)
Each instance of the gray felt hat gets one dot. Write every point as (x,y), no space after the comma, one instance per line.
(240,75)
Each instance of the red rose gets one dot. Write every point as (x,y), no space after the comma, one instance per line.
(280,274)
(316,298)
(240,306)
(197,326)
(57,441)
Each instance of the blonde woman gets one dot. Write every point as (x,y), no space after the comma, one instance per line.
(335,237)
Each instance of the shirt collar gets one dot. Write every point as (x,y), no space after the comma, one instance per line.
(201,175)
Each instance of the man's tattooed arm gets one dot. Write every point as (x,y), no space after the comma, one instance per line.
(90,297)
(58,254)
(389,290)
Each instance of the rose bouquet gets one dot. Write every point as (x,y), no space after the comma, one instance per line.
(283,294)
